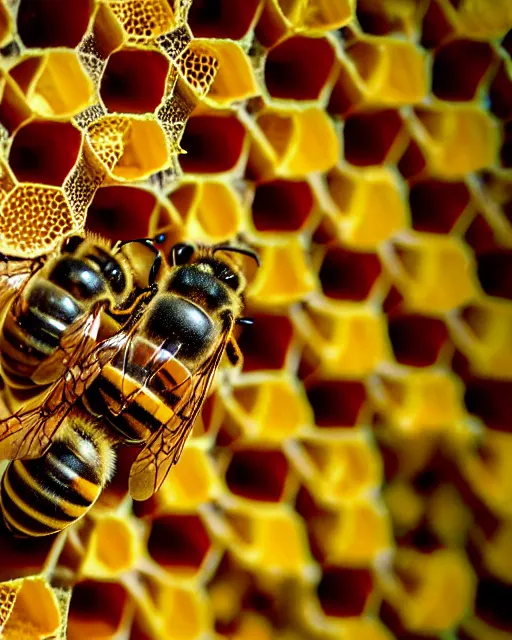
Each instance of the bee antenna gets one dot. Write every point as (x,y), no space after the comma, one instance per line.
(150,244)
(245,252)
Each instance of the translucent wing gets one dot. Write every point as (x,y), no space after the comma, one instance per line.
(165,446)
(29,431)
(14,275)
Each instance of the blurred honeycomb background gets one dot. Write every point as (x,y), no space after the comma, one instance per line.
(354,480)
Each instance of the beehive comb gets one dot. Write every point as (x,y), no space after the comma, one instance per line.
(353,480)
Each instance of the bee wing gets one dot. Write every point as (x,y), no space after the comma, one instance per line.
(164,448)
(29,431)
(14,275)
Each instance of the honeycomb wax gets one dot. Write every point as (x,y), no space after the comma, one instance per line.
(351,478)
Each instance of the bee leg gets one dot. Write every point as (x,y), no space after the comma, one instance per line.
(233,352)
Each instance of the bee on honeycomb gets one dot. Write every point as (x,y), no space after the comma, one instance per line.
(351,479)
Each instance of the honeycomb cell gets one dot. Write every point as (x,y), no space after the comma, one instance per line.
(348,275)
(148,19)
(257,474)
(44,151)
(121,212)
(338,472)
(273,540)
(456,139)
(211,210)
(337,403)
(349,341)
(373,137)
(266,345)
(192,483)
(281,205)
(434,273)
(483,333)
(379,18)
(113,548)
(494,271)
(43,25)
(134,81)
(393,71)
(356,584)
(204,138)
(483,20)
(60,88)
(356,534)
(235,78)
(488,399)
(184,612)
(97,610)
(323,15)
(107,33)
(299,68)
(417,341)
(437,205)
(277,410)
(370,203)
(285,275)
(460,68)
(424,400)
(222,18)
(34,220)
(179,543)
(20,618)
(434,591)
(301,142)
(436,26)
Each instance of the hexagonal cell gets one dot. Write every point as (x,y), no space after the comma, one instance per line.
(437,205)
(433,273)
(417,341)
(436,26)
(492,604)
(299,68)
(282,205)
(344,592)
(266,344)
(337,403)
(285,275)
(257,474)
(121,213)
(460,69)
(213,144)
(179,543)
(97,610)
(494,271)
(348,275)
(43,24)
(490,401)
(222,18)
(373,137)
(393,71)
(44,151)
(235,78)
(184,612)
(500,93)
(146,20)
(457,139)
(134,81)
(301,142)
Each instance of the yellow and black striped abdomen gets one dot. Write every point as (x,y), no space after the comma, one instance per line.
(43,496)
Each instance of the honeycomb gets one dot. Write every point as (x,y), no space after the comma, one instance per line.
(353,480)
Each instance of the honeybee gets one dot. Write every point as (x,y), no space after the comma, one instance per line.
(143,385)
(48,295)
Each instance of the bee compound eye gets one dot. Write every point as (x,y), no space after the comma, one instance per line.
(181,253)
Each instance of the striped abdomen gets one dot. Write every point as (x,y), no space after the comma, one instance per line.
(43,496)
(134,405)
